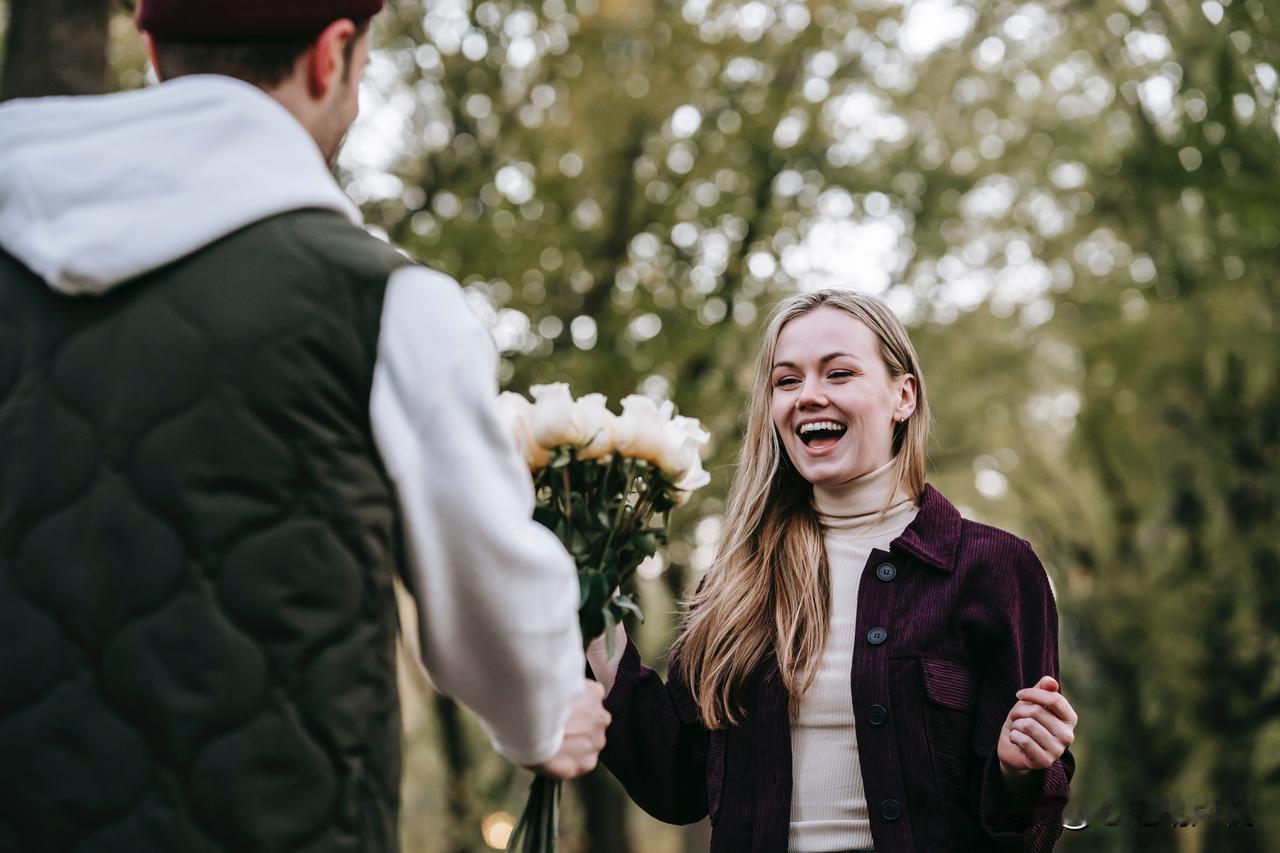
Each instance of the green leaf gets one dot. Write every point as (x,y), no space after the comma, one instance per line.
(610,624)
(580,547)
(547,516)
(663,503)
(627,603)
(597,592)
(646,544)
(591,620)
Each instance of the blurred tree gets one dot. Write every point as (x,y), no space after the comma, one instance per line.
(1073,201)
(625,187)
(1072,204)
(55,47)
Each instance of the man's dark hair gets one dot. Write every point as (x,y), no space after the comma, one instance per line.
(265,63)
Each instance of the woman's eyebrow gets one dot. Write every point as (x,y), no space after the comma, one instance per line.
(823,360)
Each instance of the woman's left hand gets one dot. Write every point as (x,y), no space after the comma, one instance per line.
(1038,729)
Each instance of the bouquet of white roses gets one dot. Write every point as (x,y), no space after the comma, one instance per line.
(602,480)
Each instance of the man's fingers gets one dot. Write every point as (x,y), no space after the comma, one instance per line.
(584,735)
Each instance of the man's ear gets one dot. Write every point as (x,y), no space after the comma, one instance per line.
(324,59)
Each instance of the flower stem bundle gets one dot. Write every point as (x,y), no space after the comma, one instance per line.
(605,486)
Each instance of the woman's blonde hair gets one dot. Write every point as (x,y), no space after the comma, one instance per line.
(769,589)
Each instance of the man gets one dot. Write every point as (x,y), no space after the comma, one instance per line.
(228,417)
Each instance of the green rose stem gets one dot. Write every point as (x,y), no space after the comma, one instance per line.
(537,830)
(617,521)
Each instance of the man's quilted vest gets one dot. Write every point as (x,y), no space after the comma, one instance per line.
(197,547)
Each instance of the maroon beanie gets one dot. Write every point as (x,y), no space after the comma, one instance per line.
(213,19)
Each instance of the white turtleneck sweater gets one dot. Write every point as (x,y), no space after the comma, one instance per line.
(828,803)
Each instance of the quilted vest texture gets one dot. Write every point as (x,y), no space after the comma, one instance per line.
(197,547)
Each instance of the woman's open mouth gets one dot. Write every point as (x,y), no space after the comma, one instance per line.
(821,435)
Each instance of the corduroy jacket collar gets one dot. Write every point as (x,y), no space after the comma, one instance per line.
(934,535)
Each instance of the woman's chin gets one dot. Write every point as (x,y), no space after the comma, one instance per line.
(828,473)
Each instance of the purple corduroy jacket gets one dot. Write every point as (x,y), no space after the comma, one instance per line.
(953,620)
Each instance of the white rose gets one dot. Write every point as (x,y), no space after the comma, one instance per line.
(553,422)
(516,414)
(640,431)
(695,478)
(683,441)
(596,423)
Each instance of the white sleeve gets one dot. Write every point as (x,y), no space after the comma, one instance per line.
(497,593)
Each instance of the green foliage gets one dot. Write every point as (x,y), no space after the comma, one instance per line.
(1079,207)
(1072,204)
(602,511)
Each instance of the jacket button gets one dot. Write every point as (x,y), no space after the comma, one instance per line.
(890,810)
(877,715)
(876,636)
(886,571)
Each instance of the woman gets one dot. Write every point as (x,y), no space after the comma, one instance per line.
(861,667)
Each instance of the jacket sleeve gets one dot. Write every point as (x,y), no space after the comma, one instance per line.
(497,594)
(1012,621)
(656,745)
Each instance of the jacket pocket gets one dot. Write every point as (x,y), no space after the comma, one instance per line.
(950,684)
(951,691)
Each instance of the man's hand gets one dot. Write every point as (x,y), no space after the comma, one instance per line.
(1037,731)
(583,736)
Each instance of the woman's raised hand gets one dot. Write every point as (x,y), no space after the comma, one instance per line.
(604,666)
(1037,731)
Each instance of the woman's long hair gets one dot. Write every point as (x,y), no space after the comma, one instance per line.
(768,592)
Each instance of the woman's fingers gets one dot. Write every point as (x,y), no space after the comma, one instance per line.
(1052,745)
(1052,700)
(1056,726)
(1036,754)
(1010,752)
(1039,728)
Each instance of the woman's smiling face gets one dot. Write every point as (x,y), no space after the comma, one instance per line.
(833,401)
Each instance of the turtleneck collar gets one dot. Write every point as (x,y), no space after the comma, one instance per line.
(857,505)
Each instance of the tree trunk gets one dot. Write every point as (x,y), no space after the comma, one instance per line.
(604,807)
(1232,829)
(457,760)
(56,47)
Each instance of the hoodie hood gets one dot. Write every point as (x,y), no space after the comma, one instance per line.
(96,191)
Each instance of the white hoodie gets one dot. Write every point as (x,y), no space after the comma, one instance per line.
(96,191)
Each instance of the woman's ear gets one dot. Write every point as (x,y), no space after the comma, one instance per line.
(906,398)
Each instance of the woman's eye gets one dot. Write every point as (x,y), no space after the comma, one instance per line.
(786,382)
(840,374)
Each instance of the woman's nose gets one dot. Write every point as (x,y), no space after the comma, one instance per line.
(811,395)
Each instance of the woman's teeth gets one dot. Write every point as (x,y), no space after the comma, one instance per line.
(821,432)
